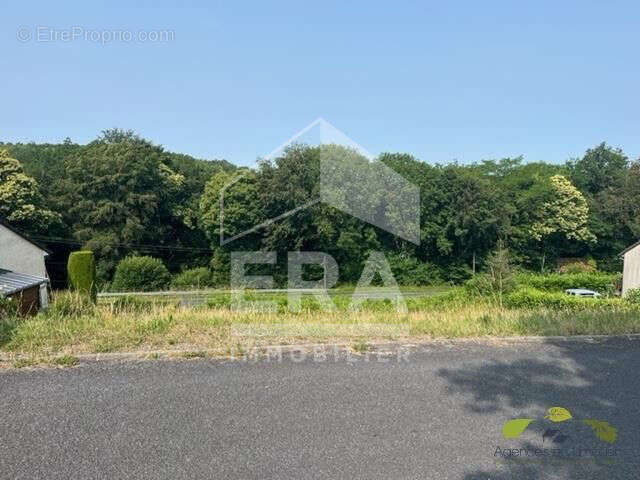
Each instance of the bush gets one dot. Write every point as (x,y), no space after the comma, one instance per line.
(533,298)
(578,266)
(479,285)
(8,307)
(140,274)
(633,296)
(559,282)
(220,268)
(71,304)
(81,269)
(499,278)
(194,278)
(407,270)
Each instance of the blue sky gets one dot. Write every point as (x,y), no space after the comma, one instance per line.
(442,80)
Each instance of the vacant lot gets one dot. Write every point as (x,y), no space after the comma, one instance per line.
(207,321)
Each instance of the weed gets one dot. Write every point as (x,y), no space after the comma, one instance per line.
(360,347)
(66,361)
(193,354)
(24,362)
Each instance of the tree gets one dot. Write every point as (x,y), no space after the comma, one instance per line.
(293,179)
(20,201)
(121,197)
(600,168)
(242,208)
(563,215)
(607,178)
(498,278)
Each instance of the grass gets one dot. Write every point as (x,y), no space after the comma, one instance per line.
(360,347)
(25,362)
(65,361)
(193,354)
(215,327)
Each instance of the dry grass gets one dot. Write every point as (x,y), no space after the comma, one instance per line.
(73,329)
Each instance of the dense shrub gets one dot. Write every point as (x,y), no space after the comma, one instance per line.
(220,268)
(194,278)
(456,274)
(140,274)
(633,296)
(81,270)
(578,266)
(8,307)
(479,285)
(533,298)
(558,282)
(71,304)
(408,270)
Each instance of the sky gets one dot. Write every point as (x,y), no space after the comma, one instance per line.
(443,81)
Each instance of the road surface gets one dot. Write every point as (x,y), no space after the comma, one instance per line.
(435,414)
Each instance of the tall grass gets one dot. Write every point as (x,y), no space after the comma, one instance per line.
(74,325)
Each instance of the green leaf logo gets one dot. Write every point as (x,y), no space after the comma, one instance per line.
(558,414)
(603,430)
(514,428)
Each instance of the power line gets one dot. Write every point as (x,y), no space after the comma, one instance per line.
(70,241)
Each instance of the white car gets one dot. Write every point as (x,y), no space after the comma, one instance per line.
(582,292)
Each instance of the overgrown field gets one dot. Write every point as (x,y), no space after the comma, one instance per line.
(75,325)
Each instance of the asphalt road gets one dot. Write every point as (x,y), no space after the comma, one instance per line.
(436,414)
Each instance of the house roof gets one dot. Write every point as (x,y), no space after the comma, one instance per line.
(5,224)
(11,282)
(630,248)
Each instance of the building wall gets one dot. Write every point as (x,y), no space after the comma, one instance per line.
(19,255)
(29,300)
(631,275)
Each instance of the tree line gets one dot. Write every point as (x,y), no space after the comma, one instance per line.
(121,195)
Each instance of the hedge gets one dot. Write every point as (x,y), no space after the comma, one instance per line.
(194,278)
(559,282)
(140,274)
(533,298)
(81,270)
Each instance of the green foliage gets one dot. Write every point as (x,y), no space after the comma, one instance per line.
(408,270)
(564,213)
(20,200)
(601,168)
(70,304)
(66,361)
(81,271)
(121,195)
(588,266)
(129,303)
(220,268)
(140,274)
(480,285)
(611,185)
(121,192)
(633,296)
(193,278)
(8,307)
(532,298)
(497,281)
(557,282)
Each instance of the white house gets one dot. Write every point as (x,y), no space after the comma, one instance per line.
(23,273)
(631,272)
